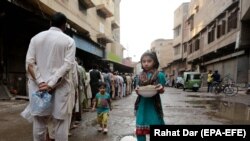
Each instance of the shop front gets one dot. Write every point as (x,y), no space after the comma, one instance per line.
(17,27)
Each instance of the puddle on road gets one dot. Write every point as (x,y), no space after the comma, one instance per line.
(193,96)
(201,96)
(208,104)
(197,106)
(237,113)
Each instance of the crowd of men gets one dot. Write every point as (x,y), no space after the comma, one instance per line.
(52,67)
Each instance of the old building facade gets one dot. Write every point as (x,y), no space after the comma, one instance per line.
(213,37)
(244,42)
(164,52)
(179,65)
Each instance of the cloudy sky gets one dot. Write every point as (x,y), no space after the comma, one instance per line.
(143,21)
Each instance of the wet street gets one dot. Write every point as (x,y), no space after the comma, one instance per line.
(179,108)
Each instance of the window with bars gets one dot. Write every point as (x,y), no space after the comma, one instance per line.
(197,44)
(177,31)
(177,50)
(190,46)
(185,47)
(191,22)
(211,35)
(232,21)
(221,29)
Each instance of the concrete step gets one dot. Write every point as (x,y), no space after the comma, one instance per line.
(19,97)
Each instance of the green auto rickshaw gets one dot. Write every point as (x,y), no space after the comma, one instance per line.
(192,80)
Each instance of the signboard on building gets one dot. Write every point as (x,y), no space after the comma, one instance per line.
(87,46)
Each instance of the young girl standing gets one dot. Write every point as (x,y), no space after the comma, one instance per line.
(148,110)
(102,103)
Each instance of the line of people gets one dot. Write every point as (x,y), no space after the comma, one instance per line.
(52,67)
(118,85)
(87,86)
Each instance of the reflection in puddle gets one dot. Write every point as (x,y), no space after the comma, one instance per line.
(197,106)
(237,113)
(208,104)
(193,96)
(201,96)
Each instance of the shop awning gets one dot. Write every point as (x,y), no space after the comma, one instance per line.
(88,46)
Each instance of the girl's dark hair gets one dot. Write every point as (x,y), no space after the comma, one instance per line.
(58,19)
(102,84)
(152,55)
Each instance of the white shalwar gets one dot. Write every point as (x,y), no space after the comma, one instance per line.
(88,90)
(52,55)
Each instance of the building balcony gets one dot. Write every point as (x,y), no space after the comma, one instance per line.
(103,11)
(222,42)
(177,57)
(115,24)
(87,3)
(103,39)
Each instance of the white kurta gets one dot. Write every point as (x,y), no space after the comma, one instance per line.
(52,54)
(74,101)
(88,87)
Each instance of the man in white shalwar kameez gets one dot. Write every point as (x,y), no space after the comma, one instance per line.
(88,90)
(49,59)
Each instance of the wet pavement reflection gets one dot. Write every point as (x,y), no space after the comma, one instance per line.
(179,107)
(236,113)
